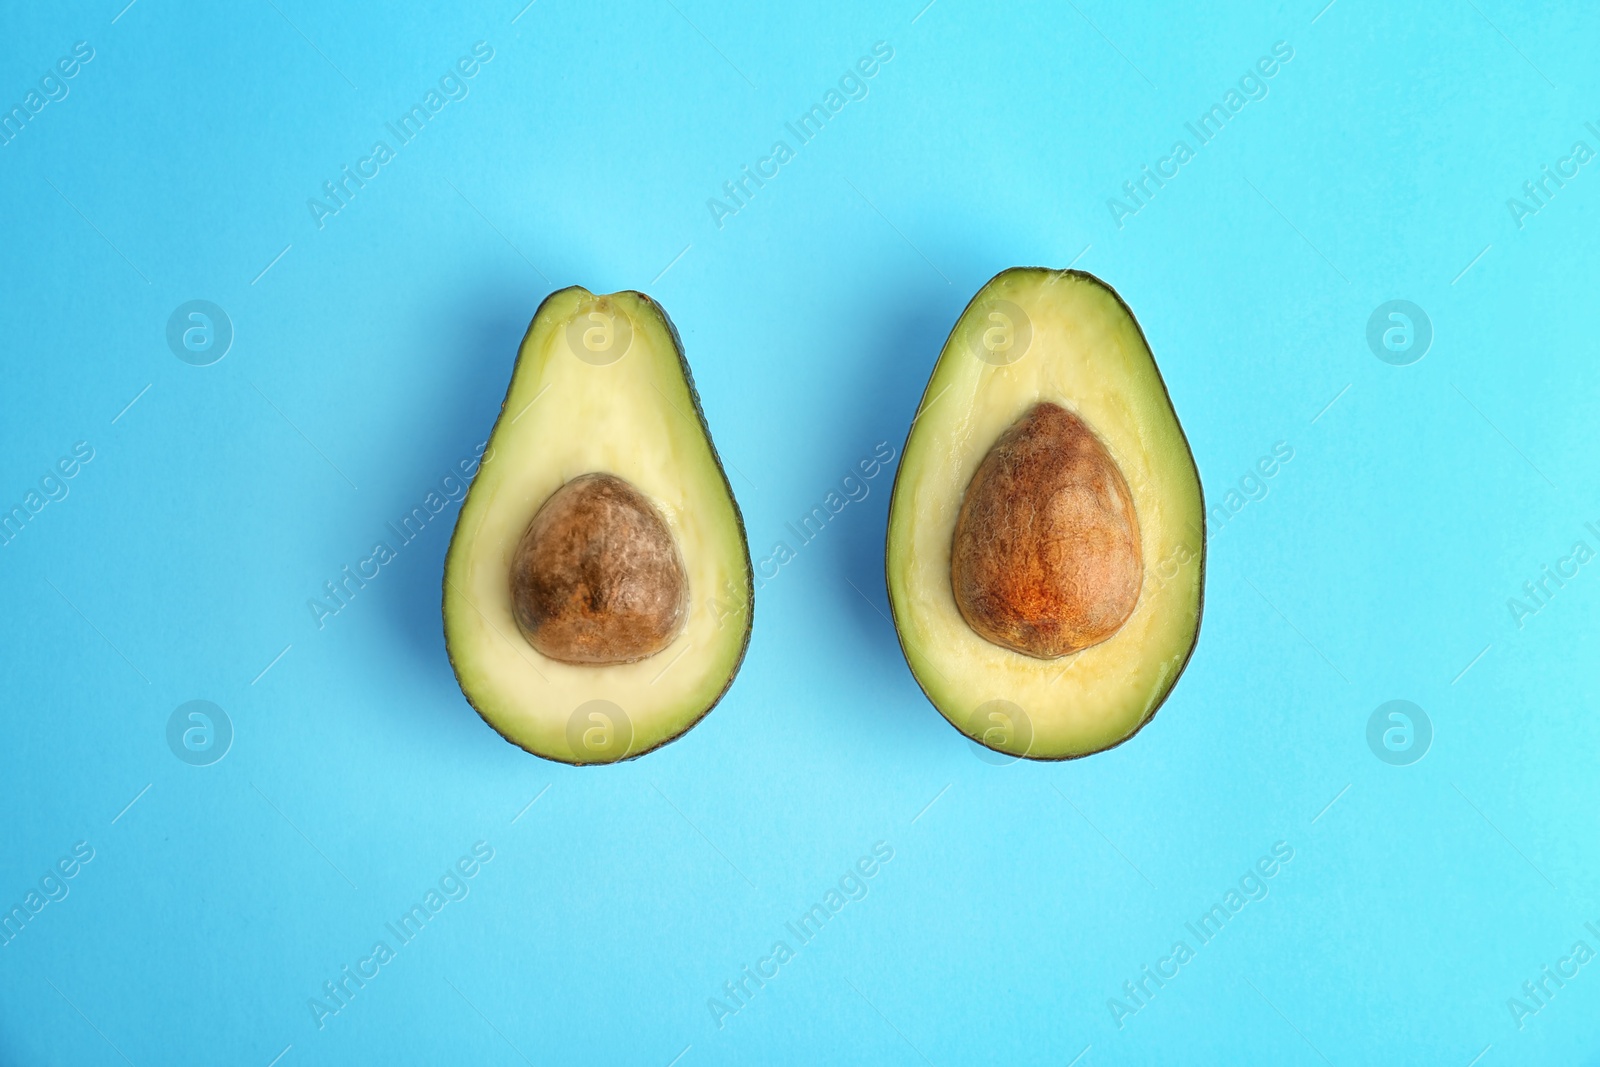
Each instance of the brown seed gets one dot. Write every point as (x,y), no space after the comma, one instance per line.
(597,577)
(1046,557)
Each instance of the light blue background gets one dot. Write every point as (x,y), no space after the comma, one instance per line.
(374,353)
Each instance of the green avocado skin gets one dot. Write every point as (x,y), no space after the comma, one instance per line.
(738,516)
(1199,528)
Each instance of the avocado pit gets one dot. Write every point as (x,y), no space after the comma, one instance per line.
(597,577)
(1046,558)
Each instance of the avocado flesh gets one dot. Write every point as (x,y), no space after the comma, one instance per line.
(1034,336)
(575,408)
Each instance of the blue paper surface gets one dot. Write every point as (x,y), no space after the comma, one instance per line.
(255,338)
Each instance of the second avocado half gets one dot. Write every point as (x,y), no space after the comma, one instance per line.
(597,591)
(1046,540)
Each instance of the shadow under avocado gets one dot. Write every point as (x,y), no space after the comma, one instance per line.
(462,398)
(912,323)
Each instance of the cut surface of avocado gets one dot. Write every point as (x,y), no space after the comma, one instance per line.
(1046,541)
(597,591)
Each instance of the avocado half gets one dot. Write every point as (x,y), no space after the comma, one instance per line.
(601,410)
(1045,374)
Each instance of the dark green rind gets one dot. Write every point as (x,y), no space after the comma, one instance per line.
(1200,605)
(738,516)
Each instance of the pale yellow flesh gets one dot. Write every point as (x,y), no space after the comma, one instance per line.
(1086,354)
(564,417)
